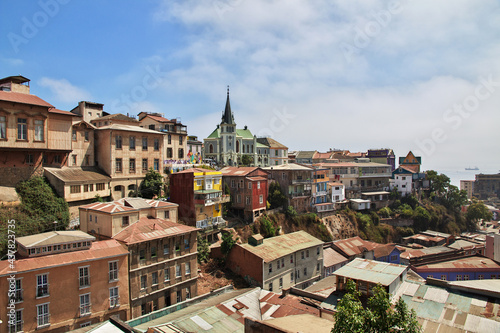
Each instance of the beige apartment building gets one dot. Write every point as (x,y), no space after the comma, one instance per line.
(126,153)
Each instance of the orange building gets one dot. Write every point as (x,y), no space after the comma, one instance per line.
(64,281)
(33,133)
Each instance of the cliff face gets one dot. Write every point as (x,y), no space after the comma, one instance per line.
(340,226)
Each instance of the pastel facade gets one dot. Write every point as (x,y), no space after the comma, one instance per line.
(403,180)
(199,194)
(468,187)
(382,156)
(279,262)
(64,289)
(278,153)
(411,162)
(460,269)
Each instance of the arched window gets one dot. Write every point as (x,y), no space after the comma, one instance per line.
(237,146)
(211,149)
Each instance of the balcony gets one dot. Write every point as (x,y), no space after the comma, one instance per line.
(211,223)
(320,193)
(212,201)
(301,181)
(300,194)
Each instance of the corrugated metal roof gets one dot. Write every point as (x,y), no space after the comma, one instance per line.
(461,264)
(279,246)
(332,257)
(371,271)
(79,174)
(54,237)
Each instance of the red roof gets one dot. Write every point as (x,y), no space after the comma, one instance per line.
(159,119)
(147,229)
(23,98)
(98,250)
(322,155)
(66,113)
(108,207)
(354,246)
(237,171)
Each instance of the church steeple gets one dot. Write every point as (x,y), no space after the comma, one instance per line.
(227,116)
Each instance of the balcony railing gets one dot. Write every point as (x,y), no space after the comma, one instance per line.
(300,194)
(211,223)
(213,201)
(320,193)
(301,181)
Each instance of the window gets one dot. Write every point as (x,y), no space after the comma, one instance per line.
(125,221)
(84,305)
(84,277)
(271,286)
(188,293)
(169,153)
(114,299)
(282,262)
(19,290)
(291,259)
(154,278)
(144,165)
(131,142)
(459,277)
(181,140)
(261,199)
(42,285)
(166,249)
(144,143)
(394,258)
(493,276)
(153,252)
(186,243)
(258,185)
(118,142)
(118,165)
(305,271)
(177,271)
(480,277)
(144,280)
(179,296)
(113,271)
(131,165)
(233,184)
(156,144)
(17,325)
(297,275)
(75,188)
(281,283)
(166,273)
(142,254)
(156,164)
(39,130)
(443,277)
(169,138)
(302,254)
(188,268)
(22,129)
(100,186)
(248,200)
(278,264)
(466,277)
(166,214)
(249,185)
(42,315)
(73,135)
(181,152)
(86,134)
(307,253)
(177,247)
(317,266)
(3,127)
(283,175)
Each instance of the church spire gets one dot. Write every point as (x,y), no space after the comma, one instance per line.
(227,117)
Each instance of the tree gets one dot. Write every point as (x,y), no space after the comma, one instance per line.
(246,160)
(266,227)
(152,184)
(377,317)
(276,197)
(478,211)
(203,249)
(227,243)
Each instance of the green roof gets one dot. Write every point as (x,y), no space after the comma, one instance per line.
(260,145)
(215,134)
(245,133)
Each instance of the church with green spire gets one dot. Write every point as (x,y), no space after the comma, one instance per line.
(227,145)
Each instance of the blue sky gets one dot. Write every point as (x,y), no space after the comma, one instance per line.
(408,75)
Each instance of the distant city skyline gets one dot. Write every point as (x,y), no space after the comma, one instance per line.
(419,76)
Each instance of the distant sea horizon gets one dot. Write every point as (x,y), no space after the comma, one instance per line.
(456,175)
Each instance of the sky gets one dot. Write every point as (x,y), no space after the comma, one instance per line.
(315,75)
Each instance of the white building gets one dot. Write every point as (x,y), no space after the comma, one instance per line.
(337,191)
(402,180)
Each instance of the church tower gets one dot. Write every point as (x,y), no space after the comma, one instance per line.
(228,135)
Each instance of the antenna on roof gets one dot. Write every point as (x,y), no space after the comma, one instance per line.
(228,90)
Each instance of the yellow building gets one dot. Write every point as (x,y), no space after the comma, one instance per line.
(199,193)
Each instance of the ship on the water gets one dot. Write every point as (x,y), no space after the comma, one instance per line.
(474,168)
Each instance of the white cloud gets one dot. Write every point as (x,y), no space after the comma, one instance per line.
(64,91)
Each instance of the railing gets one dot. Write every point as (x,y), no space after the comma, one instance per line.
(301,181)
(42,291)
(211,223)
(320,193)
(212,201)
(375,174)
(300,194)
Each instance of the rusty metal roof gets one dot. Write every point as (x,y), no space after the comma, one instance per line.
(332,257)
(79,174)
(280,246)
(371,271)
(461,264)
